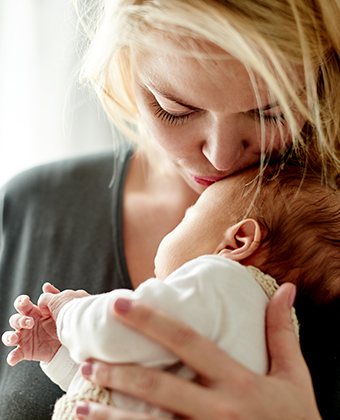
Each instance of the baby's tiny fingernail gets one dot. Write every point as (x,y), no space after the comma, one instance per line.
(28,323)
(12,339)
(87,368)
(22,300)
(123,305)
(82,409)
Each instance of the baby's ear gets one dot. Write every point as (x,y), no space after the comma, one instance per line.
(241,240)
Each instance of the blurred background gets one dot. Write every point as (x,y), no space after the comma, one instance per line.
(44,115)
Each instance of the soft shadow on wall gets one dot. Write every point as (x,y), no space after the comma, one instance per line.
(44,116)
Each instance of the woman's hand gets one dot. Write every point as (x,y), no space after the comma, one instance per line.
(226,389)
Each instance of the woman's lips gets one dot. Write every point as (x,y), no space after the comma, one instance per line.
(206,180)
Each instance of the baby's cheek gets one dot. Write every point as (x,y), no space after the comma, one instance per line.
(166,262)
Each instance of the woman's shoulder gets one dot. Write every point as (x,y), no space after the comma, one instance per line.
(72,179)
(70,198)
(92,170)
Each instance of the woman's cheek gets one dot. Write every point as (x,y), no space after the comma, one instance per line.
(173,139)
(277,140)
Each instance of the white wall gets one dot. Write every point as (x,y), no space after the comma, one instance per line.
(43,115)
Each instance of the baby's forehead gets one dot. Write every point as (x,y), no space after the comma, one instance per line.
(232,194)
(237,182)
(288,184)
(252,186)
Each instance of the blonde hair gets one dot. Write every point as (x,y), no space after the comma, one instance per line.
(271,38)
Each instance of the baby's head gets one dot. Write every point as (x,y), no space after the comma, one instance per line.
(290,229)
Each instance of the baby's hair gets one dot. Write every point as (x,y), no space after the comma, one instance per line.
(300,218)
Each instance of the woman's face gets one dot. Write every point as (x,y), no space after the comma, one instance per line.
(205,114)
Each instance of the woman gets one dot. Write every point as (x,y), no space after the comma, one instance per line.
(210,88)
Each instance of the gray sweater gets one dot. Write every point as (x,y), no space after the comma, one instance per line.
(62,223)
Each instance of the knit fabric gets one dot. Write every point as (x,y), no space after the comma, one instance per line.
(269,285)
(64,408)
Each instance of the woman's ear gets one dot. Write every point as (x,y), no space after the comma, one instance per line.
(241,240)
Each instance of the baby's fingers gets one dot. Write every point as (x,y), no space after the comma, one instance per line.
(23,305)
(20,322)
(48,288)
(45,303)
(15,356)
(10,338)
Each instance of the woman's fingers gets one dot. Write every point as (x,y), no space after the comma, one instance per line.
(287,362)
(283,344)
(19,322)
(157,387)
(197,352)
(94,411)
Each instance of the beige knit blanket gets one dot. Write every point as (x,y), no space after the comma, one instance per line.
(65,406)
(269,285)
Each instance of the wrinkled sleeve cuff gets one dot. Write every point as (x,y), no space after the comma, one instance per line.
(61,369)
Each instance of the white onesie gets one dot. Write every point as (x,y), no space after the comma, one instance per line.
(217,297)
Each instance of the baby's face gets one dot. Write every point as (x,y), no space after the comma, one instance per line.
(203,228)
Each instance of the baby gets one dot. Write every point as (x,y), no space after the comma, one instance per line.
(206,276)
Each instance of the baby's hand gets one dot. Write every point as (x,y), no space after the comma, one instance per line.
(52,301)
(35,335)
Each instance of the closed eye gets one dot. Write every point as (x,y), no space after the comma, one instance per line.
(170,118)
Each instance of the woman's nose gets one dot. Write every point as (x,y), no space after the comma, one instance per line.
(225,146)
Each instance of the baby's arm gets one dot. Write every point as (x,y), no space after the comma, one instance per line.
(204,294)
(35,335)
(91,329)
(87,327)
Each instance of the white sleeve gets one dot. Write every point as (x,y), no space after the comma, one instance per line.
(88,329)
(61,369)
(206,294)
